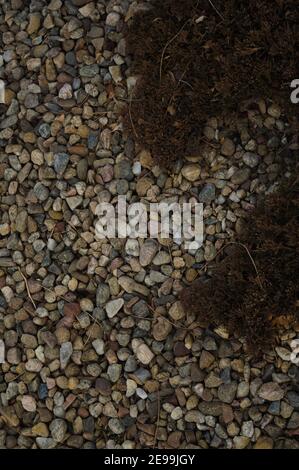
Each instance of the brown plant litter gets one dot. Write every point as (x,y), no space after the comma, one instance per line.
(245,293)
(195,59)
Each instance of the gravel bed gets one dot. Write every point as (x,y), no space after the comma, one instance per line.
(97,350)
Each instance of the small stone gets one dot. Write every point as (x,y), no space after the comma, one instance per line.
(206,360)
(103,294)
(99,346)
(131,286)
(41,192)
(146,159)
(113,307)
(212,380)
(243,390)
(13,356)
(144,354)
(21,222)
(271,391)
(115,71)
(58,428)
(136,169)
(294,421)
(211,408)
(194,416)
(2,351)
(116,426)
(251,159)
(161,258)
(4,229)
(66,351)
(207,194)
(114,371)
(44,130)
(31,101)
(240,176)
(247,429)
(37,157)
(293,399)
(274,111)
(89,71)
(283,353)
(161,329)
(74,202)
(7,293)
(28,403)
(176,311)
(241,442)
(66,92)
(112,19)
(227,392)
(177,413)
(191,172)
(103,386)
(45,442)
(228,147)
(143,185)
(179,349)
(42,391)
(222,332)
(123,170)
(264,442)
(147,252)
(87,10)
(60,162)
(34,23)
(33,365)
(132,247)
(40,429)
(131,388)
(33,64)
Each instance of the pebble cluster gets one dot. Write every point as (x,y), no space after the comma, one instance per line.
(96,350)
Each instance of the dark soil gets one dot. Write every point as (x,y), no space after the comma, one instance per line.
(258,279)
(196,59)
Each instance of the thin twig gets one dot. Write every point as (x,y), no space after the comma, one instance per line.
(217,11)
(249,254)
(16,377)
(168,44)
(89,334)
(27,288)
(170,41)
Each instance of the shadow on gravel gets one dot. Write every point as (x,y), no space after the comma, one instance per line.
(196,59)
(257,281)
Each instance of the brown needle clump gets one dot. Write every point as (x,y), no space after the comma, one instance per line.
(245,293)
(196,59)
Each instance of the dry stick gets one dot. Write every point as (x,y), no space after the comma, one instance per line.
(217,11)
(249,254)
(168,44)
(251,259)
(89,334)
(171,40)
(17,377)
(27,288)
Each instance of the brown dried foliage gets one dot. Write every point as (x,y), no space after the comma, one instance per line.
(196,59)
(258,279)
